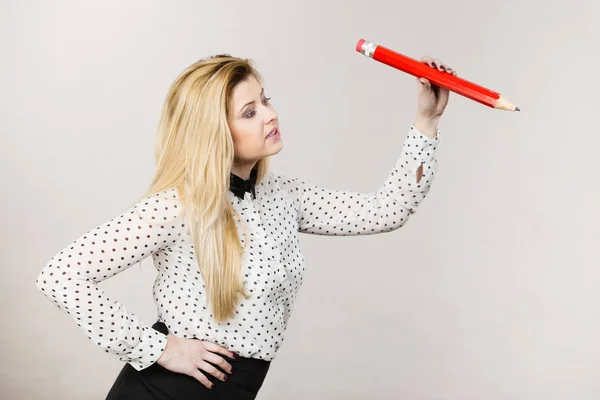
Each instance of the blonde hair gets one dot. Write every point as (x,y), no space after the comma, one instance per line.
(194,153)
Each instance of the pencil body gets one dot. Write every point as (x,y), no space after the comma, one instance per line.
(419,69)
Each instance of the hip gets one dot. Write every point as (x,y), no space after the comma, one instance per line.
(158,383)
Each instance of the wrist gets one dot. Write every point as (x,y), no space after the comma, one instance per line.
(166,353)
(427,125)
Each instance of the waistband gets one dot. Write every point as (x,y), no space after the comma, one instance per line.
(248,373)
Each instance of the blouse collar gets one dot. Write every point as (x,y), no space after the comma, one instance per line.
(239,186)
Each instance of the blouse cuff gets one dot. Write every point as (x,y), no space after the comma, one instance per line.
(151,346)
(421,148)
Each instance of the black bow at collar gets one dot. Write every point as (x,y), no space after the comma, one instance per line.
(239,186)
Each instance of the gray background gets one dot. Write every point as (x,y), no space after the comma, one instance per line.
(489,292)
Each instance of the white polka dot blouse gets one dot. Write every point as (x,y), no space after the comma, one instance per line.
(275,212)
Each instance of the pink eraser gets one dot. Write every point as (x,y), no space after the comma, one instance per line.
(359,45)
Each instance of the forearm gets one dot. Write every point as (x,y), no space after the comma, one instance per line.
(428,126)
(105,321)
(339,212)
(70,279)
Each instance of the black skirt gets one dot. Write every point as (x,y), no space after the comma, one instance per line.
(158,383)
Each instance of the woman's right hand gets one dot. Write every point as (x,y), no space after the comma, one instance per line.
(189,356)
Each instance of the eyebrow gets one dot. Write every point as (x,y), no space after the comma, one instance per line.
(251,102)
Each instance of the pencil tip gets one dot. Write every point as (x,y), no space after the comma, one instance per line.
(517,109)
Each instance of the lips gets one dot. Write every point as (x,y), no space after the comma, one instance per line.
(273,132)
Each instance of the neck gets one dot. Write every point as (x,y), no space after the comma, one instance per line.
(243,170)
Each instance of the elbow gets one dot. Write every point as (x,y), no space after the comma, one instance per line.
(41,282)
(401,218)
(48,278)
(400,223)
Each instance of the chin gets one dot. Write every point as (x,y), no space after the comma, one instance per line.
(275,149)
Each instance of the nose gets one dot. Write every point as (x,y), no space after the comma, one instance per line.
(270,115)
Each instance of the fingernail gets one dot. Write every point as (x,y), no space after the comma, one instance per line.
(433,65)
(235,355)
(442,68)
(225,377)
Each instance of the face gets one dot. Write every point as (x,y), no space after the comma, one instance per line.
(253,123)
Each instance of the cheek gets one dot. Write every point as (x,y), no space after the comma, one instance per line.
(248,138)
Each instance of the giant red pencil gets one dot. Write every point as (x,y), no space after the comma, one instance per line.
(445,80)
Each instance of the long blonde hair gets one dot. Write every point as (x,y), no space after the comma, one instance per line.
(194,153)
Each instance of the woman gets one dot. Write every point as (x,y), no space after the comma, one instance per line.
(223,233)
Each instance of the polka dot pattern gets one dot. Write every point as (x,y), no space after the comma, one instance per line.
(273,266)
(339,212)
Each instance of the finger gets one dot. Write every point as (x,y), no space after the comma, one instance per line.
(444,67)
(449,70)
(425,82)
(211,369)
(428,60)
(200,377)
(215,348)
(218,361)
(439,65)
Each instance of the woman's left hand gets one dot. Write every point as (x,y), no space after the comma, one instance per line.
(432,99)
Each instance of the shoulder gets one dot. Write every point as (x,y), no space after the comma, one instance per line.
(289,183)
(161,207)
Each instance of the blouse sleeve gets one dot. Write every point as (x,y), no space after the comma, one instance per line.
(341,212)
(70,279)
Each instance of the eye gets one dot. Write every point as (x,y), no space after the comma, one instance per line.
(252,113)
